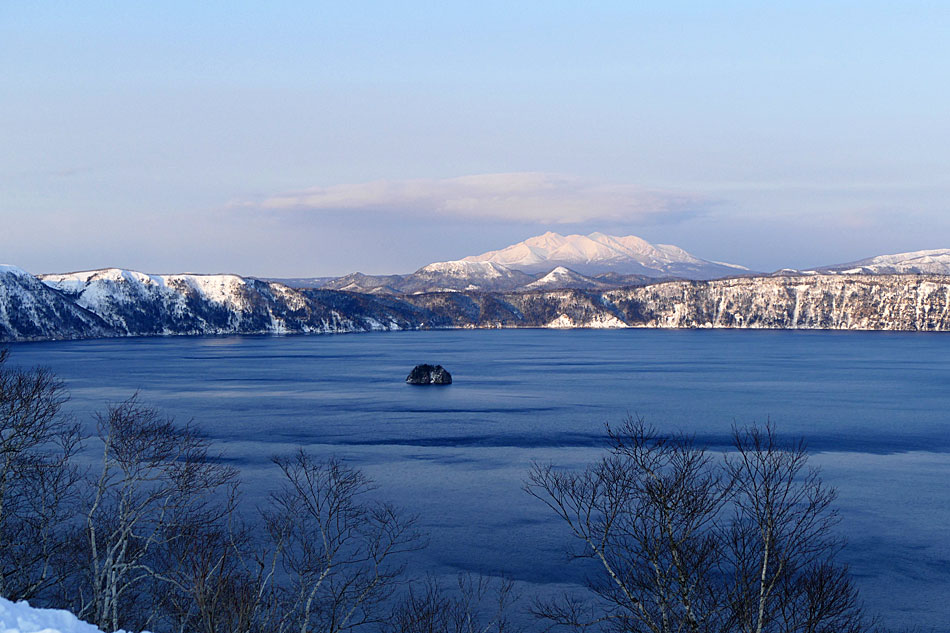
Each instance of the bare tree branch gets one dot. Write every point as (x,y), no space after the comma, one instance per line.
(687,543)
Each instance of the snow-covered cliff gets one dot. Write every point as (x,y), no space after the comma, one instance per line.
(29,310)
(847,302)
(116,302)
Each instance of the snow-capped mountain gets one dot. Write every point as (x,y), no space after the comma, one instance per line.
(546,261)
(599,253)
(936,262)
(562,277)
(462,275)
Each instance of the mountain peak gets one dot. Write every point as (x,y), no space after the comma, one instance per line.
(464,267)
(561,277)
(10,269)
(598,253)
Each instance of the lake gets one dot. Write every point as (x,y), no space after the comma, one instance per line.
(872,406)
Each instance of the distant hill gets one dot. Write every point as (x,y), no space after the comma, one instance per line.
(562,277)
(301,282)
(935,262)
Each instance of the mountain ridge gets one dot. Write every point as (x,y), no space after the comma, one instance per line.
(901,291)
(933,261)
(116,302)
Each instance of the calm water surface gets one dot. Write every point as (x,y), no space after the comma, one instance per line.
(872,406)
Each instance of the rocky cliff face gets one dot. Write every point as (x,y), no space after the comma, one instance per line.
(857,302)
(854,302)
(115,302)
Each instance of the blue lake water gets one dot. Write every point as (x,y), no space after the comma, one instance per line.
(872,406)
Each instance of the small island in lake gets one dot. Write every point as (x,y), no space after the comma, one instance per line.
(429,375)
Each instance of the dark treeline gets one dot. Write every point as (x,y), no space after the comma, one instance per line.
(140,525)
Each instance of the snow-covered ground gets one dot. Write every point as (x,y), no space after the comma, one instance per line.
(20,617)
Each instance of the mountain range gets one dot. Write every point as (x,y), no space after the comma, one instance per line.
(906,291)
(115,302)
(545,261)
(595,261)
(456,276)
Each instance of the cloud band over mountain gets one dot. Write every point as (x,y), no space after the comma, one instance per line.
(525,197)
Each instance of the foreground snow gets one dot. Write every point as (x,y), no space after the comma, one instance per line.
(20,617)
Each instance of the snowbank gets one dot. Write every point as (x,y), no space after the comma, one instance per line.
(20,617)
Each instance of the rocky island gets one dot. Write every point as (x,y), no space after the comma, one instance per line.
(429,375)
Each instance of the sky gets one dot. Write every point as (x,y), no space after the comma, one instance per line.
(293,139)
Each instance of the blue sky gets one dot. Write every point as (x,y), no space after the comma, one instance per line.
(294,139)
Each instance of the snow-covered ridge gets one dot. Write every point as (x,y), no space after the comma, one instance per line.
(29,310)
(9,269)
(115,302)
(129,300)
(89,284)
(935,261)
(455,276)
(118,302)
(485,270)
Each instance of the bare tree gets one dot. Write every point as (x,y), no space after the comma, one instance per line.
(339,551)
(150,535)
(645,514)
(686,542)
(477,604)
(157,480)
(425,609)
(213,584)
(780,543)
(37,482)
(326,559)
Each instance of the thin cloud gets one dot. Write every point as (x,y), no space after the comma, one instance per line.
(523,197)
